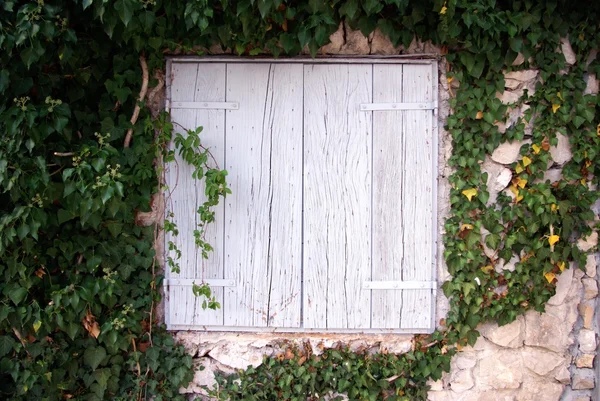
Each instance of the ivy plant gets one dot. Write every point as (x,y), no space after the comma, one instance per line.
(78,278)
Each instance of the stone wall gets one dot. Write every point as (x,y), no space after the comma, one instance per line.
(549,356)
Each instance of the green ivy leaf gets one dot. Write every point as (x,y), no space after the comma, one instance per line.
(6,345)
(125,10)
(94,356)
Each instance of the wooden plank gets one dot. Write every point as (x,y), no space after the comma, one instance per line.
(263,215)
(417,197)
(337,196)
(388,174)
(202,82)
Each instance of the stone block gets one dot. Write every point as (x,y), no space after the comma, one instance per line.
(590,266)
(464,361)
(460,381)
(587,340)
(532,391)
(498,177)
(238,356)
(586,310)
(502,370)
(551,330)
(591,241)
(510,335)
(563,375)
(381,44)
(508,152)
(563,286)
(561,153)
(541,362)
(585,361)
(508,97)
(567,51)
(590,288)
(583,379)
(591,84)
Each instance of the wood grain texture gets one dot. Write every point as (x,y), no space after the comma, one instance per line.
(337,196)
(417,197)
(388,188)
(263,215)
(202,82)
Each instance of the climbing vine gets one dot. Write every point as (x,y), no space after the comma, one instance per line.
(79,282)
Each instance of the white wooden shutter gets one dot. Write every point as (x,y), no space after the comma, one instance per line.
(332,218)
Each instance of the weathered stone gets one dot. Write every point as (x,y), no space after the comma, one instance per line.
(508,97)
(437,385)
(336,41)
(585,361)
(204,376)
(381,44)
(461,381)
(511,264)
(498,178)
(561,153)
(541,362)
(356,42)
(567,51)
(590,266)
(237,356)
(586,310)
(551,330)
(397,346)
(587,340)
(510,335)
(520,77)
(583,379)
(502,371)
(591,85)
(464,361)
(590,288)
(585,244)
(552,175)
(496,395)
(575,395)
(446,395)
(532,391)
(563,286)
(508,152)
(563,375)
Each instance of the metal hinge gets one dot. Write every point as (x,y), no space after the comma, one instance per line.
(400,285)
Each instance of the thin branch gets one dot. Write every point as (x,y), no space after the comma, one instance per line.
(201,147)
(64,154)
(136,110)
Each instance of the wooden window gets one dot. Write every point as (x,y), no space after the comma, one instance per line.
(331,223)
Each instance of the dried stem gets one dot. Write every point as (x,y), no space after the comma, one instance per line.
(136,110)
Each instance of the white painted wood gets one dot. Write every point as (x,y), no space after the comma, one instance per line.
(388,188)
(337,196)
(205,105)
(417,196)
(424,59)
(192,83)
(293,330)
(263,215)
(399,285)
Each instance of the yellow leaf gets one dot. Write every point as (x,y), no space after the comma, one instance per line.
(588,163)
(526,161)
(450,79)
(555,107)
(553,239)
(581,36)
(536,148)
(554,207)
(559,96)
(479,115)
(561,266)
(487,269)
(443,10)
(519,198)
(598,130)
(514,190)
(36,325)
(470,193)
(522,182)
(550,276)
(466,226)
(583,182)
(519,169)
